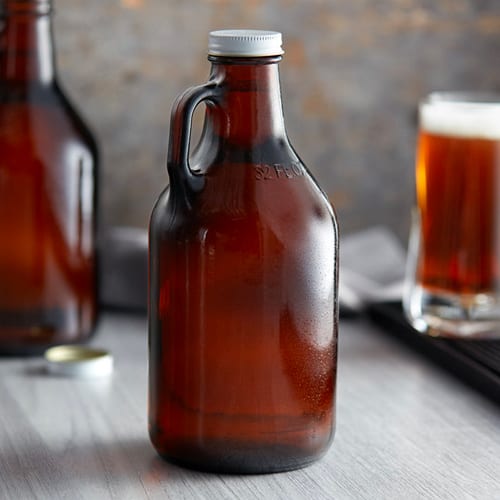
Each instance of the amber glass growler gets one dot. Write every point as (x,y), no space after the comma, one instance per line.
(243,279)
(47,192)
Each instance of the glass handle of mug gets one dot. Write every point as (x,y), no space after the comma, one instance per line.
(412,262)
(180,173)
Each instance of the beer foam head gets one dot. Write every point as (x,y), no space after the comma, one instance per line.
(458,115)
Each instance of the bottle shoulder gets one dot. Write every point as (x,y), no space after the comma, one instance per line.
(214,151)
(244,197)
(43,114)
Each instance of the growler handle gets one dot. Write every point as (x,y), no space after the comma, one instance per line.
(179,171)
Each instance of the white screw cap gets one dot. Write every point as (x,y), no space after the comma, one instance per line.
(244,43)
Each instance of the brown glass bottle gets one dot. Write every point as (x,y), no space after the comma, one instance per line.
(48,161)
(243,277)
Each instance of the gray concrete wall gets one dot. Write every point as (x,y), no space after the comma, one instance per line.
(351,77)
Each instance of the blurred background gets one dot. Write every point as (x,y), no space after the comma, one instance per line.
(352,75)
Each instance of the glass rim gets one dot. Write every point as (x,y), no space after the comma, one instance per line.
(461,114)
(462,97)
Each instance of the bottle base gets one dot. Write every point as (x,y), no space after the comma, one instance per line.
(459,316)
(28,347)
(225,458)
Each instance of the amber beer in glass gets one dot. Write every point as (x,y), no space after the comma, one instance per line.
(453,284)
(243,277)
(48,163)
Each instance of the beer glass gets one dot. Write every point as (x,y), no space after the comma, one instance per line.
(453,271)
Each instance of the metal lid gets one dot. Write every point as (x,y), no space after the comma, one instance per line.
(78,361)
(244,43)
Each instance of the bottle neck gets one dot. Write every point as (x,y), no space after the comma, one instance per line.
(249,110)
(26,42)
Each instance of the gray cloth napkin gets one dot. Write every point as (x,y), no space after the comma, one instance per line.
(124,269)
(372,264)
(372,268)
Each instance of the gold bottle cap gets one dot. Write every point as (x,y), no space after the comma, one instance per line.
(78,361)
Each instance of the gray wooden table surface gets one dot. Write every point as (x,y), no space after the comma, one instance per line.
(405,430)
